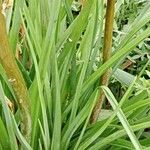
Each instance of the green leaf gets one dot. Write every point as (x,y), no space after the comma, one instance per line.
(122,118)
(4,138)
(13,141)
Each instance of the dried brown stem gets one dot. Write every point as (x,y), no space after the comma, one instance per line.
(106,55)
(14,75)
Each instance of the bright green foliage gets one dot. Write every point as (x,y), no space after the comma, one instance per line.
(61,45)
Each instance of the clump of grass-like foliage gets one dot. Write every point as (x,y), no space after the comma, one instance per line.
(56,47)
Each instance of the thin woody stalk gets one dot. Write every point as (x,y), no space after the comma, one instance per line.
(106,55)
(14,75)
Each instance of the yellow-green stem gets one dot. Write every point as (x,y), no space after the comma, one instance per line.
(106,55)
(14,75)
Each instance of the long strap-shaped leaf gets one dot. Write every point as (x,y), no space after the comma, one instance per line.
(122,118)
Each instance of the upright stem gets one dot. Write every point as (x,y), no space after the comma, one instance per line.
(14,75)
(106,55)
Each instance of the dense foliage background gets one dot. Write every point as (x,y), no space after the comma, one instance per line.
(58,46)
